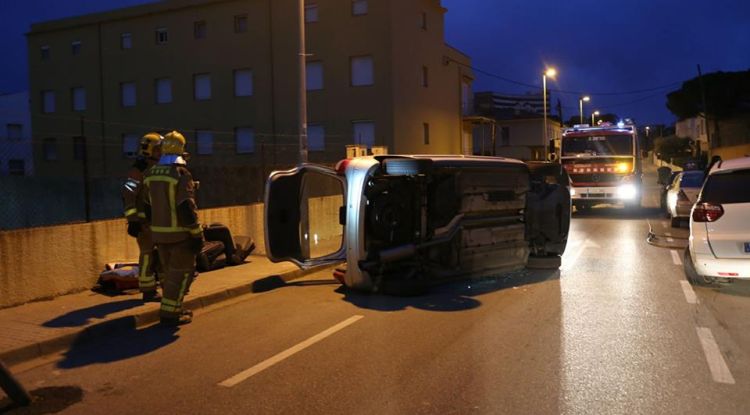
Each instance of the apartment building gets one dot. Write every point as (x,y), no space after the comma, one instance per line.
(225,72)
(16,157)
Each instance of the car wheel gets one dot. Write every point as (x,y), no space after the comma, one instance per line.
(676,222)
(690,272)
(544,262)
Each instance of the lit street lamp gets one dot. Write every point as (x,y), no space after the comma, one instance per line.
(551,72)
(593,119)
(580,105)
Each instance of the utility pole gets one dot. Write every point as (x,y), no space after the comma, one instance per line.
(302,86)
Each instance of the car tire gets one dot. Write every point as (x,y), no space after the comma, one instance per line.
(676,222)
(690,272)
(544,262)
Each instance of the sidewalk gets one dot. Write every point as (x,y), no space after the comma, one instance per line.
(40,328)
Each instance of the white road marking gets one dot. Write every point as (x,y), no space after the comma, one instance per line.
(569,261)
(246,374)
(667,234)
(687,289)
(675,257)
(719,370)
(670,240)
(664,224)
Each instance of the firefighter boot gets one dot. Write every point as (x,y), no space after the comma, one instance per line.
(185,317)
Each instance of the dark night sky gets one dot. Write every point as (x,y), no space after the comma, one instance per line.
(597,46)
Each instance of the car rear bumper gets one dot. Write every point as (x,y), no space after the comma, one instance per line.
(711,266)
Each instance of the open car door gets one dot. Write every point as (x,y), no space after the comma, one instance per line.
(303,216)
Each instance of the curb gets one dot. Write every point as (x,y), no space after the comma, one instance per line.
(108,327)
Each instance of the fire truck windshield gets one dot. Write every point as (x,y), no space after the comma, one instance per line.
(603,145)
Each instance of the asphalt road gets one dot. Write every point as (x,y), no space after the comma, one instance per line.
(618,330)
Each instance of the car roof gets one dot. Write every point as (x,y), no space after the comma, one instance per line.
(733,164)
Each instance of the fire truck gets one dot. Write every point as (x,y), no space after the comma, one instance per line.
(603,163)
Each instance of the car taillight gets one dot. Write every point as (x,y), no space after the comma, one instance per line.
(707,212)
(682,197)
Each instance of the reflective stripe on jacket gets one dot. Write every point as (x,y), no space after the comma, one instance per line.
(171,196)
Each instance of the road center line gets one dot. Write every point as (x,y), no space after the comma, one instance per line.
(246,374)
(719,370)
(687,289)
(670,240)
(675,257)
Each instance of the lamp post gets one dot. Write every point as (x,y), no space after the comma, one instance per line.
(302,92)
(551,72)
(593,119)
(580,105)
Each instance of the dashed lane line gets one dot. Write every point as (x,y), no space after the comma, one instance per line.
(675,257)
(687,289)
(719,369)
(246,374)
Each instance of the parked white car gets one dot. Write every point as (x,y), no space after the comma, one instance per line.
(719,244)
(682,194)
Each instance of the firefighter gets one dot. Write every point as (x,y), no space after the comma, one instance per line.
(174,224)
(133,195)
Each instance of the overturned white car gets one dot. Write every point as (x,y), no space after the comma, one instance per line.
(406,222)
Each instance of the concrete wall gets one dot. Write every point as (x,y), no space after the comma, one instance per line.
(39,263)
(731,152)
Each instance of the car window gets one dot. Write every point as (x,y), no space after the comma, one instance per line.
(692,179)
(729,187)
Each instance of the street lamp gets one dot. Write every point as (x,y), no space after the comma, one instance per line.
(580,105)
(551,72)
(593,119)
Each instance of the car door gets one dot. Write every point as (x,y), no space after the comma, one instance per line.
(302,212)
(673,190)
(729,235)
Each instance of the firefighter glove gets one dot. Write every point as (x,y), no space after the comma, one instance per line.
(134,228)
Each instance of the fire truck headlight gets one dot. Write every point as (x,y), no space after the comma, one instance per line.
(623,167)
(627,191)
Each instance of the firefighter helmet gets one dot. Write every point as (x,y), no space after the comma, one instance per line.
(174,144)
(150,143)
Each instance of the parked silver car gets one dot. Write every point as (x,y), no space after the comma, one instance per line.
(405,222)
(682,193)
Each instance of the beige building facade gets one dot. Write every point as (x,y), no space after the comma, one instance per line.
(225,73)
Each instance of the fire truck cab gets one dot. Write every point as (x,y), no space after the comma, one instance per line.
(603,163)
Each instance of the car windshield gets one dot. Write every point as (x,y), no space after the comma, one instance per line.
(602,145)
(730,187)
(692,179)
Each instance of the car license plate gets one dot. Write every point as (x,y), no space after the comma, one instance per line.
(747,247)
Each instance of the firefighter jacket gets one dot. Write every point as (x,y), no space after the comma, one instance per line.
(171,203)
(133,194)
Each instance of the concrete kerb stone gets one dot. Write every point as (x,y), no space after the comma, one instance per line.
(63,341)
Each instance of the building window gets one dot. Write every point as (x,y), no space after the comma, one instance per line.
(364,132)
(505,136)
(314,76)
(14,131)
(426,133)
(240,23)
(44,52)
(130,145)
(127,94)
(48,102)
(75,48)
(202,87)
(423,21)
(163,91)
(316,137)
(243,83)
(78,99)
(200,29)
(49,149)
(311,13)
(244,138)
(79,148)
(425,76)
(205,142)
(162,36)
(16,167)
(359,7)
(126,41)
(361,71)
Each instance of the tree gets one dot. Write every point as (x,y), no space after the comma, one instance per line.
(727,94)
(672,146)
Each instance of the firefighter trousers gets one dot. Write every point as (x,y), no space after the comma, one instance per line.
(146,260)
(178,264)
